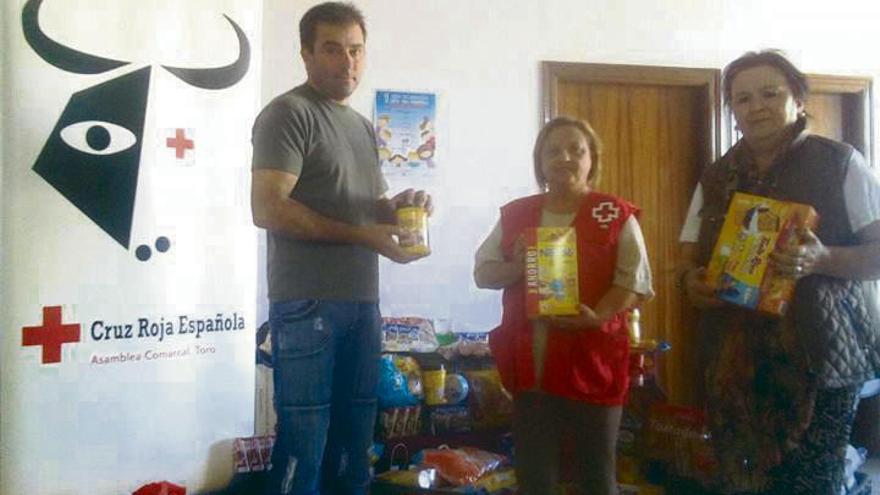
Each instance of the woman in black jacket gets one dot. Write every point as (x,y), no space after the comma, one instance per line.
(782,392)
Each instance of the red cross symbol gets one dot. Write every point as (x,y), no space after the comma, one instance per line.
(605,212)
(180,143)
(51,335)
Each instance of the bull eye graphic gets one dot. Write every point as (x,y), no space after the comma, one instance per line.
(98,138)
(92,157)
(102,184)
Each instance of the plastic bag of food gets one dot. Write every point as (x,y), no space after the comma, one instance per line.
(394,389)
(416,477)
(443,420)
(678,436)
(491,405)
(464,344)
(463,466)
(412,372)
(408,334)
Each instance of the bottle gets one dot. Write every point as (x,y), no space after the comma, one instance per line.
(634,327)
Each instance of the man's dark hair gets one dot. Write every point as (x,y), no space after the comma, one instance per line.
(796,79)
(334,13)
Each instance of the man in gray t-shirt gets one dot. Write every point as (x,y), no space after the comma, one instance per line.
(318,191)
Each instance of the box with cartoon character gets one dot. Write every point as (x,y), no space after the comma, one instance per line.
(753,228)
(551,271)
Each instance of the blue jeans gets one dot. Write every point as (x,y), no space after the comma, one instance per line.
(325,357)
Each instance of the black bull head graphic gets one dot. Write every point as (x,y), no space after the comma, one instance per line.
(93,155)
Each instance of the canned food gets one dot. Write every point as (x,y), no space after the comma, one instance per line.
(414,220)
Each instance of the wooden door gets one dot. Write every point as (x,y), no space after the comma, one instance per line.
(659,127)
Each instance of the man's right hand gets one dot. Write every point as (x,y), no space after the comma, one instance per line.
(381,238)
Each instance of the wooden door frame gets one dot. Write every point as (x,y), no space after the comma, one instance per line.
(708,80)
(860,87)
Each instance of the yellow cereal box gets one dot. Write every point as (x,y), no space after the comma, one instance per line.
(551,271)
(753,227)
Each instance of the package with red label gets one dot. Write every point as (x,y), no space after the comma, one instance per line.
(678,437)
(253,454)
(753,227)
(551,271)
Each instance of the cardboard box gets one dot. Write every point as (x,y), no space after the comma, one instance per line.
(551,272)
(753,227)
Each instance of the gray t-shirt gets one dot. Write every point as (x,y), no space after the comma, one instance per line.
(332,149)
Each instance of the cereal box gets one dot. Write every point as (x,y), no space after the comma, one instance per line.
(753,228)
(551,271)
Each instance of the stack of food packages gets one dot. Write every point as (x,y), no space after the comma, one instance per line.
(422,391)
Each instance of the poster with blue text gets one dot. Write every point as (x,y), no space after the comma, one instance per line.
(405,124)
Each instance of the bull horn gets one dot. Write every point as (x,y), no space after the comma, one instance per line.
(55,53)
(218,77)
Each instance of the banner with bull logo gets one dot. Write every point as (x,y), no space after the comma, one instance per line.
(128,257)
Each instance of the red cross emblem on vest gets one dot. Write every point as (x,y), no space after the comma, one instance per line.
(51,335)
(605,213)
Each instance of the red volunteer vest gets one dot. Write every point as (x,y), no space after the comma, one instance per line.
(590,365)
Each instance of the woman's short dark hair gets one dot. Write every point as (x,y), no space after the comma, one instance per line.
(593,142)
(333,13)
(797,80)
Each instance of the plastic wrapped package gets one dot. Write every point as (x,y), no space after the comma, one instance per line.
(416,477)
(394,389)
(463,466)
(252,454)
(678,437)
(443,420)
(408,334)
(491,405)
(464,344)
(504,479)
(399,422)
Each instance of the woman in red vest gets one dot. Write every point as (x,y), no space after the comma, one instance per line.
(568,375)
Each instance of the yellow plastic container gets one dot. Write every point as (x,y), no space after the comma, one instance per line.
(434,384)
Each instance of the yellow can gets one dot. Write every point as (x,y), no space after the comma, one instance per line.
(414,220)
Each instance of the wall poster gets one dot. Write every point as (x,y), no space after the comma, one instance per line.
(406,134)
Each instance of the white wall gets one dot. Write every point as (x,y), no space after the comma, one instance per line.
(483,57)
